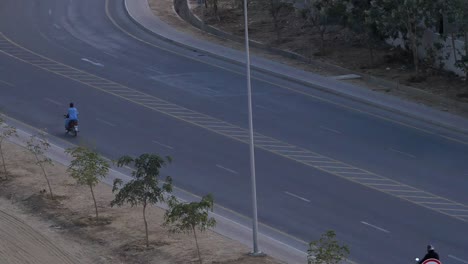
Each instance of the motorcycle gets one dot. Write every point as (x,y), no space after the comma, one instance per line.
(431,260)
(72,127)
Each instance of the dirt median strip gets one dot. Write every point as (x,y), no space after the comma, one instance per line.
(68,221)
(20,243)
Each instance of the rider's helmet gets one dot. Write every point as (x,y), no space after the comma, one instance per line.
(71,104)
(430,248)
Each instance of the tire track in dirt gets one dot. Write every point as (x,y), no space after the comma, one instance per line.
(19,243)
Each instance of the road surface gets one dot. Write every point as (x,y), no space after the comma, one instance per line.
(387,184)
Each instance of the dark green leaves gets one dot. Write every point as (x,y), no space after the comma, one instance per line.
(326,250)
(185,217)
(87,166)
(144,188)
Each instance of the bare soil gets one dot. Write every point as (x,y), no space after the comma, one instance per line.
(64,229)
(343,48)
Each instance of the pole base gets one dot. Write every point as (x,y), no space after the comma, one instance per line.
(256,254)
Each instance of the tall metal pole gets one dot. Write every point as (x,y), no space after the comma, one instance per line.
(252,146)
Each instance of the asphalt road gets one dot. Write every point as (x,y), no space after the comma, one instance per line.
(387,184)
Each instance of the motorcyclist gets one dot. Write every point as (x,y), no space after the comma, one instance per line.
(431,254)
(72,115)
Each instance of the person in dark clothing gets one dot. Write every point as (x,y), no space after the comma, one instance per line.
(431,254)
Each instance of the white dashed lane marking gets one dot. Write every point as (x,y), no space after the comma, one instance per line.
(376,227)
(458,259)
(53,101)
(402,153)
(105,122)
(330,129)
(227,169)
(297,196)
(161,144)
(7,83)
(92,62)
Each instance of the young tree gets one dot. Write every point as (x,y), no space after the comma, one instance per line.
(408,19)
(187,217)
(6,131)
(321,15)
(276,7)
(326,250)
(144,188)
(359,20)
(38,145)
(457,14)
(87,168)
(214,5)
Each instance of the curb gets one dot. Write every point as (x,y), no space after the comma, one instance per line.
(322,88)
(195,21)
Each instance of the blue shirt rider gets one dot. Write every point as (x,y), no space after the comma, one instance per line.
(72,115)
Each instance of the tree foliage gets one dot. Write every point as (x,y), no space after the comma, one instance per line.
(38,145)
(213,5)
(456,12)
(275,8)
(144,187)
(188,217)
(6,131)
(322,15)
(405,19)
(87,168)
(326,250)
(359,20)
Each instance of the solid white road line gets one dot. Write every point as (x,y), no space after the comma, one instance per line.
(226,169)
(57,26)
(161,144)
(92,62)
(105,122)
(50,12)
(459,259)
(329,129)
(297,196)
(376,227)
(402,153)
(53,101)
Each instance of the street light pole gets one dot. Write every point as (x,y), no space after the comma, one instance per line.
(255,251)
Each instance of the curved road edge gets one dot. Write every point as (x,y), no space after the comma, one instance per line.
(229,224)
(140,13)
